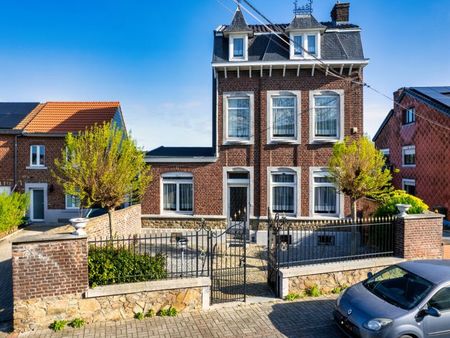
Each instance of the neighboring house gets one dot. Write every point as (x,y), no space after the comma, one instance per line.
(415,136)
(276,114)
(31,137)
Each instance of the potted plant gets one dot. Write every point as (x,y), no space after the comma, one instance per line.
(79,223)
(403,208)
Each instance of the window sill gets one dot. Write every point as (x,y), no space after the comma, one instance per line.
(283,141)
(408,124)
(325,140)
(36,167)
(176,214)
(237,143)
(408,165)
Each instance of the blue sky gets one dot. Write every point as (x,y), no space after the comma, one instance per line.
(154,56)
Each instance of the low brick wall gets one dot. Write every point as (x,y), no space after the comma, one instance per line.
(50,282)
(181,222)
(125,222)
(446,249)
(329,276)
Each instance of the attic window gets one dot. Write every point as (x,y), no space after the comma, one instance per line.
(238,47)
(298,45)
(312,44)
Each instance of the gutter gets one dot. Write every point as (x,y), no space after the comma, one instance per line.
(195,159)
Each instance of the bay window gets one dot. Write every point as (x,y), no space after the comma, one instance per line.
(325,195)
(177,193)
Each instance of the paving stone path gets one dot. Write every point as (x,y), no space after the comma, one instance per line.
(307,318)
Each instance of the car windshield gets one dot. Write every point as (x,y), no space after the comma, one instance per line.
(399,287)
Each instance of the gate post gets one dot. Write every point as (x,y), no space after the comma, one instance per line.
(245,261)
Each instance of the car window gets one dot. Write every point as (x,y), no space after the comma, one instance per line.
(399,287)
(441,300)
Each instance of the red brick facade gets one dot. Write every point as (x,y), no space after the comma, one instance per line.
(62,266)
(208,178)
(6,160)
(432,144)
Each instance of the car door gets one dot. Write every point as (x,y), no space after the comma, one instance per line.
(438,326)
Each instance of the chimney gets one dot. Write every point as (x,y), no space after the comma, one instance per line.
(340,12)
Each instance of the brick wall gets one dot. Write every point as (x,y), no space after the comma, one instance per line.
(125,222)
(432,155)
(208,178)
(6,160)
(419,236)
(43,267)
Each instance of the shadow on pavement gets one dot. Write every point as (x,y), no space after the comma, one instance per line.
(6,297)
(307,318)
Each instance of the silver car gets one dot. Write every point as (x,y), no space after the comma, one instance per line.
(407,300)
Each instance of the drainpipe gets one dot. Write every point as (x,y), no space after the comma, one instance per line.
(15,162)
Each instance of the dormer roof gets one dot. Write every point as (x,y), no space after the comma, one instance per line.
(238,25)
(304,22)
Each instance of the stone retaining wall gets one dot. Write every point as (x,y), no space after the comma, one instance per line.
(125,222)
(181,222)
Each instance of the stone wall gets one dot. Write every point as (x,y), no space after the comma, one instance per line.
(181,223)
(419,236)
(39,313)
(125,222)
(330,276)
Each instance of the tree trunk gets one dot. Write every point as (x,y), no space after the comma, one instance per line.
(354,231)
(110,211)
(354,209)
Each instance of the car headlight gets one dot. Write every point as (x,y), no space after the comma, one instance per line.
(377,324)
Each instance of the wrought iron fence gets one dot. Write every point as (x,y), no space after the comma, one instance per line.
(313,242)
(150,257)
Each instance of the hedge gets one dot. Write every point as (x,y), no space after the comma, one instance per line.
(388,208)
(112,265)
(13,208)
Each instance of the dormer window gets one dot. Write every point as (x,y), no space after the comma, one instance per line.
(305,45)
(238,47)
(312,45)
(298,45)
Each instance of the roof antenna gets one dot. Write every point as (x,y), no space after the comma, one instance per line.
(303,10)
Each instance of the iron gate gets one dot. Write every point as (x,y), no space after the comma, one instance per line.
(275,224)
(228,263)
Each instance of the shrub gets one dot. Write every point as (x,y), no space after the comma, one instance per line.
(168,312)
(313,291)
(110,265)
(139,316)
(389,201)
(150,313)
(293,296)
(58,325)
(12,211)
(77,323)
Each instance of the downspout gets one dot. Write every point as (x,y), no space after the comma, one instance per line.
(15,162)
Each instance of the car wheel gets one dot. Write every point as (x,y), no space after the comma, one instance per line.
(406,336)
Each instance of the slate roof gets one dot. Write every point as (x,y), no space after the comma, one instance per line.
(238,25)
(344,44)
(12,113)
(64,117)
(304,22)
(181,152)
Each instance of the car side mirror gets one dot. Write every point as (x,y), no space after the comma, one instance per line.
(369,275)
(432,311)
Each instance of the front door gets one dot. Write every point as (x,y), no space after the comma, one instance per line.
(238,200)
(37,205)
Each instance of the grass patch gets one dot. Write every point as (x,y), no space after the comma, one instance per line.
(169,312)
(77,323)
(293,296)
(313,291)
(139,316)
(58,325)
(150,313)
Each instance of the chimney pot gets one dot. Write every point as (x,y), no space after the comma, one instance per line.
(340,12)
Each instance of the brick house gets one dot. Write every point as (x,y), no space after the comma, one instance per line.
(415,137)
(31,140)
(277,112)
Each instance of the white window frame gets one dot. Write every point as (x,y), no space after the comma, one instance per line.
(385,151)
(405,151)
(305,54)
(405,123)
(231,56)
(5,189)
(233,182)
(165,178)
(38,153)
(296,171)
(70,207)
(312,116)
(238,140)
(297,137)
(408,181)
(322,171)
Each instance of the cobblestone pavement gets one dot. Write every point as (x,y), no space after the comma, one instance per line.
(307,318)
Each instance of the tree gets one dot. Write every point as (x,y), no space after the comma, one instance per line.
(102,166)
(359,170)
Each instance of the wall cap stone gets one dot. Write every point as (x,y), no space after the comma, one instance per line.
(427,215)
(159,285)
(182,217)
(316,269)
(46,238)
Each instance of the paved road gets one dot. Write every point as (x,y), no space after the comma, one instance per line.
(307,318)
